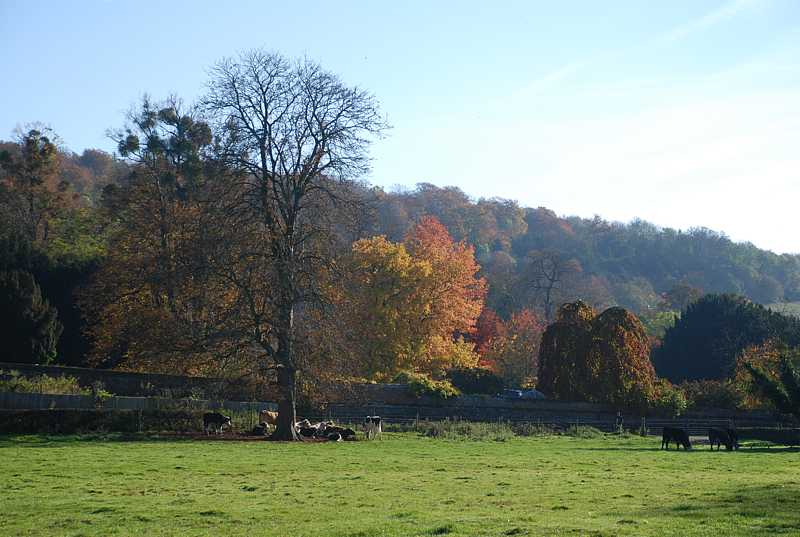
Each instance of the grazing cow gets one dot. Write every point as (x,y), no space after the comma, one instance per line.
(216,421)
(734,436)
(719,436)
(269,417)
(372,427)
(679,436)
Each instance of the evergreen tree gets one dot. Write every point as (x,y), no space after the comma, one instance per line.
(29,322)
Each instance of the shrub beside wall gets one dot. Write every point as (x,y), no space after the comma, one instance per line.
(83,421)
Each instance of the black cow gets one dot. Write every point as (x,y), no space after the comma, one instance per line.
(734,436)
(307,432)
(718,437)
(216,421)
(679,436)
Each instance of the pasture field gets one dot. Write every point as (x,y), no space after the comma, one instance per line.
(402,485)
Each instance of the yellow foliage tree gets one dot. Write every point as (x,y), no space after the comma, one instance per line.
(408,306)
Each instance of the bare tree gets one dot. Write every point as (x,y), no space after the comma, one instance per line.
(546,278)
(292,129)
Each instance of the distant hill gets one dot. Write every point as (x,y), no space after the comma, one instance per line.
(786,308)
(633,265)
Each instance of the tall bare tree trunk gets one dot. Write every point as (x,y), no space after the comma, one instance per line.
(287,412)
(287,373)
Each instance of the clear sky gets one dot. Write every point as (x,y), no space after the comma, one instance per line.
(683,113)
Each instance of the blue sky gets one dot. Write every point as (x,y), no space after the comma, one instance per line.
(683,113)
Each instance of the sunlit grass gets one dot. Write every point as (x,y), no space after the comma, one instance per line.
(402,485)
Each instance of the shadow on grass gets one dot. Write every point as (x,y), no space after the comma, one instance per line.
(775,450)
(43,441)
(764,510)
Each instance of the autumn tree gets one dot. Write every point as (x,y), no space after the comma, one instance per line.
(601,358)
(156,301)
(488,327)
(680,296)
(781,387)
(30,193)
(619,360)
(290,129)
(563,369)
(409,306)
(454,290)
(514,352)
(766,359)
(382,303)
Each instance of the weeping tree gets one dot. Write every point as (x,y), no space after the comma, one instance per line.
(601,358)
(292,131)
(563,352)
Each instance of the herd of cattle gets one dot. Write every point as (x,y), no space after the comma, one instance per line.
(323,430)
(716,437)
(373,427)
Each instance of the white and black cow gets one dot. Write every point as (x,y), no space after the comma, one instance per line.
(215,421)
(372,427)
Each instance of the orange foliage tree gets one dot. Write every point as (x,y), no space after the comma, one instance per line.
(514,352)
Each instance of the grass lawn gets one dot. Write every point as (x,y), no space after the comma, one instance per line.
(402,485)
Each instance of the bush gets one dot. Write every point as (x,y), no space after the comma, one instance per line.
(420,385)
(476,381)
(669,399)
(42,384)
(466,430)
(67,421)
(712,394)
(533,429)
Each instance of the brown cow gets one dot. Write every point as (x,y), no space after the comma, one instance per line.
(269,417)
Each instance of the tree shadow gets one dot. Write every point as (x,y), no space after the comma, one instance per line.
(45,441)
(701,448)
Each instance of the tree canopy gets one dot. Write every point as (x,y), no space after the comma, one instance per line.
(709,335)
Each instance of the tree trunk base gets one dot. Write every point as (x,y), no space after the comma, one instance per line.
(284,435)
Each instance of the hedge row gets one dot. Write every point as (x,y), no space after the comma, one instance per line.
(71,421)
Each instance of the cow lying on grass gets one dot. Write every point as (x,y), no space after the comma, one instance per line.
(679,436)
(215,421)
(324,430)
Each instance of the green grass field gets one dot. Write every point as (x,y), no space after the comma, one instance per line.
(401,485)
